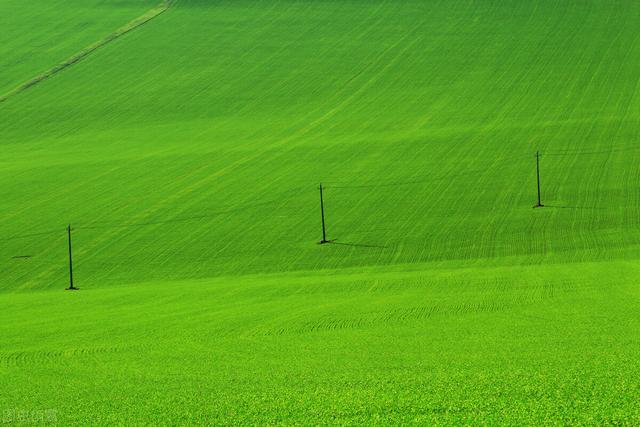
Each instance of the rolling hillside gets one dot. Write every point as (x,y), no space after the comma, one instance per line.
(187,152)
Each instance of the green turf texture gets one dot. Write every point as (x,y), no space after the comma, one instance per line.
(187,154)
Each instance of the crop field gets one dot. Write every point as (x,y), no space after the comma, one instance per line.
(185,142)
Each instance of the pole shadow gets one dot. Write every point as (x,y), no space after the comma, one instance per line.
(573,207)
(355,245)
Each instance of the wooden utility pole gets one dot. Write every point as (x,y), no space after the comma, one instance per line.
(71,287)
(324,230)
(539,204)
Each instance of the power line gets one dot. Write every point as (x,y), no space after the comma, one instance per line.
(568,153)
(295,192)
(26,236)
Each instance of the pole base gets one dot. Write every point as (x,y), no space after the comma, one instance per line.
(322,242)
(538,206)
(72,288)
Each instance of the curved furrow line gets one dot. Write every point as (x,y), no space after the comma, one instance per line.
(408,315)
(25,358)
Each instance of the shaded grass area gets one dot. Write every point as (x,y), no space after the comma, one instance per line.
(199,156)
(141,20)
(40,34)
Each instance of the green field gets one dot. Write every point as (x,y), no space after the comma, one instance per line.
(187,152)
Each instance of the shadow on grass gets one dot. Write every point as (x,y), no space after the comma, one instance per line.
(573,207)
(355,245)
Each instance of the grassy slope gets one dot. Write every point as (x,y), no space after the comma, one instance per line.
(54,33)
(190,149)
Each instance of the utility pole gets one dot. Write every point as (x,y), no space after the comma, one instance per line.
(539,205)
(71,287)
(324,230)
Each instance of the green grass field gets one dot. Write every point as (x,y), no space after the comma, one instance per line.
(187,153)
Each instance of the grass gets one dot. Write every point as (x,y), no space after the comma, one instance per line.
(79,56)
(44,33)
(186,154)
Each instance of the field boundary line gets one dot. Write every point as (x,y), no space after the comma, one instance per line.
(130,26)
